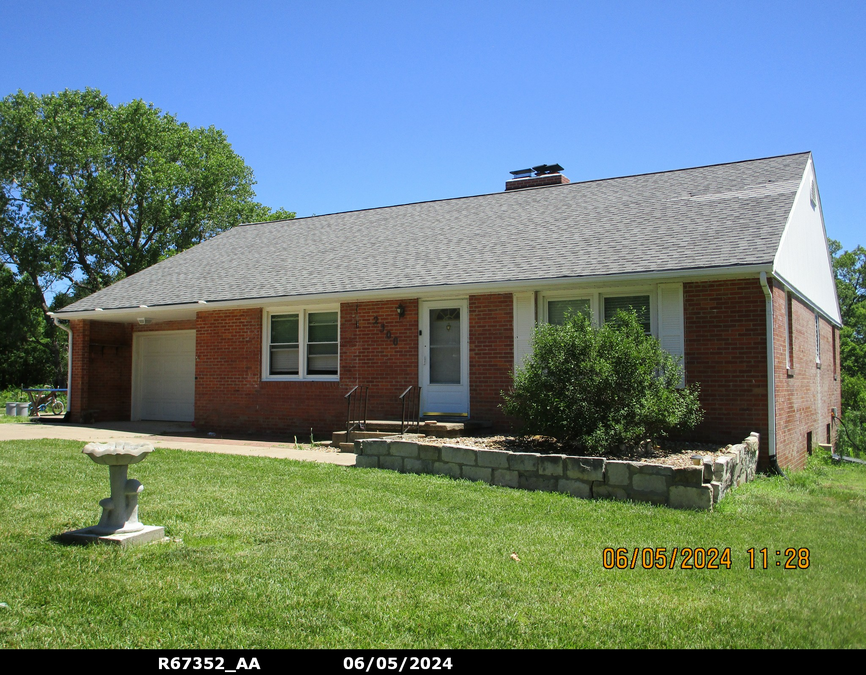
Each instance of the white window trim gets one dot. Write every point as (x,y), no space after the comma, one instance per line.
(303,328)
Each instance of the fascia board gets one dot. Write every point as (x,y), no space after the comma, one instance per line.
(805,300)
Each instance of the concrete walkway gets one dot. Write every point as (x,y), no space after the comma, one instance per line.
(177,435)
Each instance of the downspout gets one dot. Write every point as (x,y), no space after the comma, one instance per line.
(771,379)
(68,363)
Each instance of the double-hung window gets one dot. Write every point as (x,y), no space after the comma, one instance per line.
(639,303)
(558,309)
(302,345)
(659,310)
(597,307)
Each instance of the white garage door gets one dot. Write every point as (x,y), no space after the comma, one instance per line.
(166,373)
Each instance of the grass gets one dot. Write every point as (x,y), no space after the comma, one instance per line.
(9,419)
(268,553)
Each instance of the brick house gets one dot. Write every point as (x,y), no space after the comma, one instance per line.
(267,326)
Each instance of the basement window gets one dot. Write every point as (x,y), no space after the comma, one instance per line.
(302,345)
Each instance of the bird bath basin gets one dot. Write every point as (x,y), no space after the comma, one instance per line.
(117,454)
(119,522)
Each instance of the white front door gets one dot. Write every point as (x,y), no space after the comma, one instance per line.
(444,347)
(164,386)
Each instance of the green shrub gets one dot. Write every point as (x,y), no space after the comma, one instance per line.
(12,395)
(851,433)
(18,395)
(599,388)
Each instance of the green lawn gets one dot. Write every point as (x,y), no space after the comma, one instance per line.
(13,419)
(268,553)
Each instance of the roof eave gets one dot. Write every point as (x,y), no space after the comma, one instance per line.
(698,274)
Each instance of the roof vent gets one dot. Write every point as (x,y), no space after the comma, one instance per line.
(544,174)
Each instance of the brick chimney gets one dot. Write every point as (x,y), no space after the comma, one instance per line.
(537,176)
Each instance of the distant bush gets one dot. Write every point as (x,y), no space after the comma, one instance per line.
(851,431)
(599,388)
(18,395)
(12,395)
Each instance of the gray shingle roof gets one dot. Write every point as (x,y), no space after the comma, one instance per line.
(715,216)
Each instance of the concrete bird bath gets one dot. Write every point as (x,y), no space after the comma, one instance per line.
(119,523)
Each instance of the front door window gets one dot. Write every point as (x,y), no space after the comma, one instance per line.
(445,346)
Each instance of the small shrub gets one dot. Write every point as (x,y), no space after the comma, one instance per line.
(13,395)
(599,388)
(18,395)
(851,434)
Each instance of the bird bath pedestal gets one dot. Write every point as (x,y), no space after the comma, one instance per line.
(119,523)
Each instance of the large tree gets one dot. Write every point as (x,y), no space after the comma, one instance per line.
(23,338)
(91,192)
(850,269)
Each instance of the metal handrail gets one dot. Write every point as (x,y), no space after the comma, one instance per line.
(356,408)
(414,412)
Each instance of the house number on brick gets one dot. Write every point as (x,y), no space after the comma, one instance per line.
(386,332)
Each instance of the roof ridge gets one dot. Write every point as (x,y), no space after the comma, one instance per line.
(524,190)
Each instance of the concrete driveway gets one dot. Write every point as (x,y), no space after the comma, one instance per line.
(178,435)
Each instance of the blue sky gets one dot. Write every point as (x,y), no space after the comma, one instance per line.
(349,105)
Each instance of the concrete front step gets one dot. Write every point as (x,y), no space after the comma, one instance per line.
(339,437)
(386,428)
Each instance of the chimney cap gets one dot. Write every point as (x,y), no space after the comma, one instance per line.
(544,169)
(521,173)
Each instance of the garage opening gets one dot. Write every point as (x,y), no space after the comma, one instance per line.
(164,372)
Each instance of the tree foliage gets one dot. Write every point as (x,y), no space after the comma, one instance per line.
(91,192)
(23,336)
(850,270)
(599,388)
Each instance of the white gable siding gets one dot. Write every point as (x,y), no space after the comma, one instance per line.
(803,259)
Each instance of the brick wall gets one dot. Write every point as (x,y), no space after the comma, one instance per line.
(188,324)
(536,181)
(377,348)
(101,371)
(726,352)
(369,355)
(231,395)
(229,392)
(491,355)
(80,375)
(805,393)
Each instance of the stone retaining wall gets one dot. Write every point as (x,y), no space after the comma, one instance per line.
(692,487)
